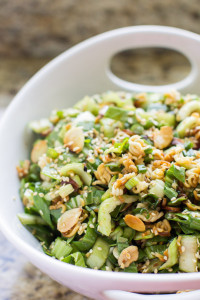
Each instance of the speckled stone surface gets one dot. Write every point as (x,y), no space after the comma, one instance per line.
(47,27)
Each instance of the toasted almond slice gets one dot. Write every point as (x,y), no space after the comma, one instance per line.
(163,137)
(38,150)
(127,256)
(68,220)
(134,222)
(74,139)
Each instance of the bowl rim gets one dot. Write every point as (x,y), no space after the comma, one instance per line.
(24,246)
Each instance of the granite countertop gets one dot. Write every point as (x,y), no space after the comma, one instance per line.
(20,280)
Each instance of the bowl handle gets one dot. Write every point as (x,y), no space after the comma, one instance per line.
(185,42)
(119,295)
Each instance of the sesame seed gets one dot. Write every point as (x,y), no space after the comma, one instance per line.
(41,194)
(91,226)
(99,248)
(182,249)
(170,269)
(35,194)
(27,184)
(41,212)
(95,268)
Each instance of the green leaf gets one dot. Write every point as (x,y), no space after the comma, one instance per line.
(177,172)
(75,259)
(130,269)
(116,113)
(87,242)
(43,209)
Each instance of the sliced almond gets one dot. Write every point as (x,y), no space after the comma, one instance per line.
(74,139)
(163,137)
(38,150)
(127,256)
(69,220)
(134,222)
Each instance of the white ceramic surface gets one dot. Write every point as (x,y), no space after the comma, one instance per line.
(80,71)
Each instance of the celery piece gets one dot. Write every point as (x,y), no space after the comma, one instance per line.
(60,248)
(65,190)
(77,179)
(141,169)
(117,113)
(106,195)
(99,254)
(188,255)
(172,255)
(157,188)
(27,219)
(186,124)
(166,119)
(170,192)
(76,259)
(52,153)
(104,218)
(187,109)
(108,127)
(51,195)
(131,183)
(77,168)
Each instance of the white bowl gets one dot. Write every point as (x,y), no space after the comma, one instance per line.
(80,71)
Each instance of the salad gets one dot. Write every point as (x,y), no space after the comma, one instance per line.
(114,183)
